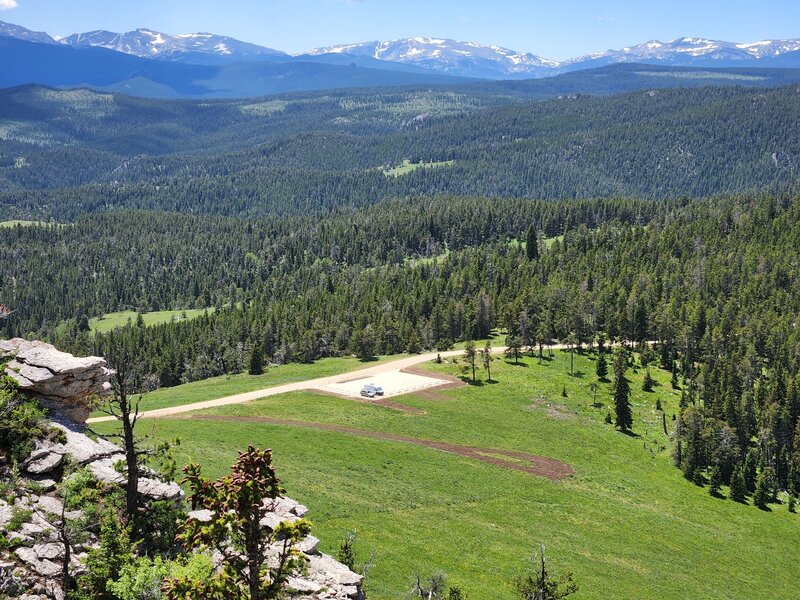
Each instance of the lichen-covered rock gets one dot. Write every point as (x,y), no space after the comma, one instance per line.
(62,382)
(44,567)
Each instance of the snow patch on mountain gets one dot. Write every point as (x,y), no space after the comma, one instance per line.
(448,56)
(147,43)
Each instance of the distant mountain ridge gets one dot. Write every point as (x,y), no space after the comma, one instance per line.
(450,56)
(494,62)
(441,55)
(202,48)
(150,63)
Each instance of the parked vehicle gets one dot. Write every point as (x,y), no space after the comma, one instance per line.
(369,391)
(378,389)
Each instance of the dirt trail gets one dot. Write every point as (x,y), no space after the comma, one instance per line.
(310,384)
(541,466)
(401,364)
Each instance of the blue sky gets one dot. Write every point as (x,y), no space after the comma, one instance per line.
(555,29)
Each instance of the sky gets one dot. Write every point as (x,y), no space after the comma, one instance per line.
(556,29)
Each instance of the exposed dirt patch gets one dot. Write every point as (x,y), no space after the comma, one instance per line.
(555,410)
(448,383)
(507,459)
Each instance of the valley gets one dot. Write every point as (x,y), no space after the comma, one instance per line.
(625,509)
(410,318)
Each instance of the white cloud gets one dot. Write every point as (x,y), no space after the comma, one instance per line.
(8,4)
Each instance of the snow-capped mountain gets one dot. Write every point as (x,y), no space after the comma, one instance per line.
(449,56)
(688,51)
(15,31)
(187,47)
(475,60)
(423,54)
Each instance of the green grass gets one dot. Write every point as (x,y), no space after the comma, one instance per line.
(409,167)
(428,260)
(627,523)
(229,385)
(23,223)
(548,242)
(111,321)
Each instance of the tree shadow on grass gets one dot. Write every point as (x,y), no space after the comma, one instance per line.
(629,433)
(578,374)
(512,364)
(469,381)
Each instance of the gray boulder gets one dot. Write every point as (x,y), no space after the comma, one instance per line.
(62,382)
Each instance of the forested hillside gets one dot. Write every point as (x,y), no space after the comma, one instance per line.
(71,153)
(384,222)
(713,281)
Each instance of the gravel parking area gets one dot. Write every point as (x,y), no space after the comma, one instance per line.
(394,383)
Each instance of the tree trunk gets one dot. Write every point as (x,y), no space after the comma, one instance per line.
(254,558)
(132,486)
(62,534)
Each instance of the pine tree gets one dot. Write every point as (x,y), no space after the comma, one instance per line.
(455,593)
(540,584)
(238,503)
(532,244)
(622,392)
(470,355)
(486,358)
(649,382)
(346,554)
(256,361)
(513,348)
(738,486)
(751,469)
(601,368)
(762,494)
(715,483)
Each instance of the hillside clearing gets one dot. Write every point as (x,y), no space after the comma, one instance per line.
(626,523)
(409,167)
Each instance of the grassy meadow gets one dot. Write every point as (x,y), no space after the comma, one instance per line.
(627,524)
(408,167)
(111,321)
(22,223)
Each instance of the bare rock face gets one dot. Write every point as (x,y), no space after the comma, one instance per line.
(62,382)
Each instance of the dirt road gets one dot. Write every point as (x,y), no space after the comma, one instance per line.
(311,384)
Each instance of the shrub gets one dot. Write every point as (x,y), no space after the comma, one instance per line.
(143,578)
(21,421)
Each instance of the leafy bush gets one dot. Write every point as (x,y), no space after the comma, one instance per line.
(21,421)
(142,579)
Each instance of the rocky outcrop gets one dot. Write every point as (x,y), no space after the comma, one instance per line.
(62,382)
(30,568)
(324,578)
(99,455)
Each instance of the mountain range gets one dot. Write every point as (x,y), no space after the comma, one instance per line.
(494,62)
(146,62)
